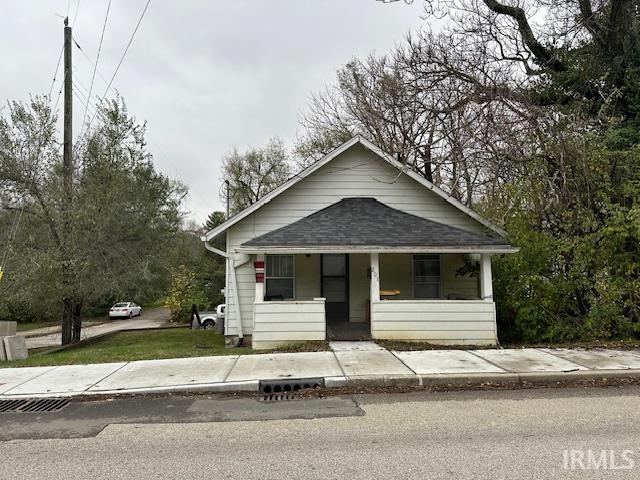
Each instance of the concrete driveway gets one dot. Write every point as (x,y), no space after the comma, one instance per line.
(152,318)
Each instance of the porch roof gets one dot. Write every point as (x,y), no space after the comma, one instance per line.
(364,224)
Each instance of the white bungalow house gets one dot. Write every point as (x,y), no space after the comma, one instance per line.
(357,246)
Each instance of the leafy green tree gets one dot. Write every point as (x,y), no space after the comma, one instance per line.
(208,268)
(185,291)
(214,219)
(124,214)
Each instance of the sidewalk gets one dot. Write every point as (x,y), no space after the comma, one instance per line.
(349,364)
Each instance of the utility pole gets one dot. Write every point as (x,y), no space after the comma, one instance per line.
(68,114)
(228,185)
(70,325)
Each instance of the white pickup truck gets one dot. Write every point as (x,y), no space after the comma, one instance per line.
(210,320)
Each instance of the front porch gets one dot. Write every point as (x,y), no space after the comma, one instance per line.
(361,269)
(432,297)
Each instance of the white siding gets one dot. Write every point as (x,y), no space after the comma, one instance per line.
(355,173)
(444,322)
(278,323)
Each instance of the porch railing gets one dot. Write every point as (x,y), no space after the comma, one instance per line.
(280,322)
(448,322)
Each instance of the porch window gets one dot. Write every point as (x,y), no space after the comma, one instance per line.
(279,277)
(426,276)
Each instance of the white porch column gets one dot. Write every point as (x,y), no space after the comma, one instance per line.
(260,285)
(375,278)
(486,286)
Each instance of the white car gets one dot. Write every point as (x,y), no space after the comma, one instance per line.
(125,310)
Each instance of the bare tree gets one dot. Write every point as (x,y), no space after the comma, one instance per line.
(433,103)
(254,173)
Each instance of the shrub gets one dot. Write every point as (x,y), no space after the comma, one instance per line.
(184,292)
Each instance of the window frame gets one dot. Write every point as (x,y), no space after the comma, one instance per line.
(292,277)
(413,277)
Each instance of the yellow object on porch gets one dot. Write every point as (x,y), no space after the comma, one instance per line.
(389,293)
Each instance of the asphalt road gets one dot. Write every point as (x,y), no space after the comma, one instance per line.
(151,318)
(469,435)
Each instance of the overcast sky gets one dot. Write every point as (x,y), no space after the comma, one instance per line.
(205,75)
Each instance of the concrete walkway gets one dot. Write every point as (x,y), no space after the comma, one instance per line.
(349,364)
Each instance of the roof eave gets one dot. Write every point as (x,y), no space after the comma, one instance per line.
(277,191)
(284,249)
(434,188)
(326,159)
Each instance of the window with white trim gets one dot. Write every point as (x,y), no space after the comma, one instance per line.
(279,277)
(426,276)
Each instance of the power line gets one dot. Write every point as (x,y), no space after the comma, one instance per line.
(76,81)
(55,73)
(95,67)
(82,102)
(81,96)
(91,62)
(110,82)
(122,58)
(59,93)
(75,16)
(12,233)
(16,220)
(16,224)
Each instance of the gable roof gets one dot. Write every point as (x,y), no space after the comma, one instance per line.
(325,160)
(366,222)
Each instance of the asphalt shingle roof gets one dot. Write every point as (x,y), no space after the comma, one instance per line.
(367,222)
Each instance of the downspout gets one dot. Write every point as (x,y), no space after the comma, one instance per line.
(234,286)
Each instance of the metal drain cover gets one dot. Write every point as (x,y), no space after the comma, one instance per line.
(287,389)
(33,405)
(276,397)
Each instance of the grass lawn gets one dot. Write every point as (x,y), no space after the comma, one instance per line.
(149,345)
(142,345)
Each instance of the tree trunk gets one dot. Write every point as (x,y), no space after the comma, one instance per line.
(71,320)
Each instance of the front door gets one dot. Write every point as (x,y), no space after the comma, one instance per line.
(334,275)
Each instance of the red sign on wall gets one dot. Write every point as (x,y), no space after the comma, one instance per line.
(259,266)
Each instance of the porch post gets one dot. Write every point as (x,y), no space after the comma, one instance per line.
(375,278)
(486,287)
(260,285)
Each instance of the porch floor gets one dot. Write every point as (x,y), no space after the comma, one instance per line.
(348,331)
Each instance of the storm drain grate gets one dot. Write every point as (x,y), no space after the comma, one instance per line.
(33,405)
(276,390)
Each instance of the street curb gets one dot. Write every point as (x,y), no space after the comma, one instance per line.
(220,387)
(471,379)
(506,379)
(577,375)
(495,379)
